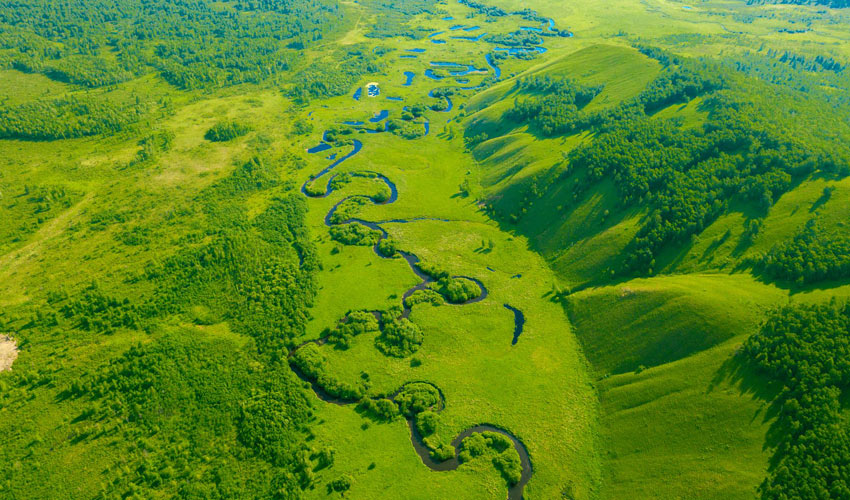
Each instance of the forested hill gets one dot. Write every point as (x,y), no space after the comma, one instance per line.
(192,44)
(731,142)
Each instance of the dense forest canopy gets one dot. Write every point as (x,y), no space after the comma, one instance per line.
(806,349)
(192,44)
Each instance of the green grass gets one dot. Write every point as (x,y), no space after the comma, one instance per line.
(382,462)
(630,390)
(690,410)
(649,322)
(17,87)
(675,431)
(355,278)
(467,352)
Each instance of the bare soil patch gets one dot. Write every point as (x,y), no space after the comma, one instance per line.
(8,352)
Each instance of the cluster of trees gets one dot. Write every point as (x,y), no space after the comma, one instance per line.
(382,409)
(336,76)
(91,309)
(192,44)
(555,110)
(392,18)
(487,10)
(811,256)
(411,401)
(310,361)
(417,397)
(355,233)
(427,423)
(399,337)
(835,4)
(153,145)
(347,209)
(808,63)
(338,136)
(78,69)
(806,349)
(442,94)
(767,66)
(259,273)
(413,111)
(388,247)
(198,420)
(77,115)
(432,270)
(458,290)
(354,324)
(426,296)
(406,129)
(519,38)
(341,484)
(455,290)
(226,130)
(492,444)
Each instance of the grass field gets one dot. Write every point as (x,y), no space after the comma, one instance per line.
(665,352)
(618,386)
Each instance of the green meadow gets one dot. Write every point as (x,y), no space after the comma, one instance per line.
(428,249)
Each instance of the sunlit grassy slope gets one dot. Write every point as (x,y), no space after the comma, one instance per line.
(581,238)
(649,322)
(677,402)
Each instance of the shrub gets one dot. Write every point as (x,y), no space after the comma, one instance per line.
(302,127)
(509,465)
(426,422)
(432,270)
(355,323)
(505,457)
(399,338)
(458,290)
(443,452)
(355,234)
(387,247)
(340,484)
(311,362)
(315,189)
(407,129)
(380,409)
(426,296)
(226,130)
(325,457)
(416,398)
(383,194)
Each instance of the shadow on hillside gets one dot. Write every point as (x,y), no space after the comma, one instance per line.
(792,288)
(736,373)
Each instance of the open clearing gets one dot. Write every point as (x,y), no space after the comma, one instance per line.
(8,352)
